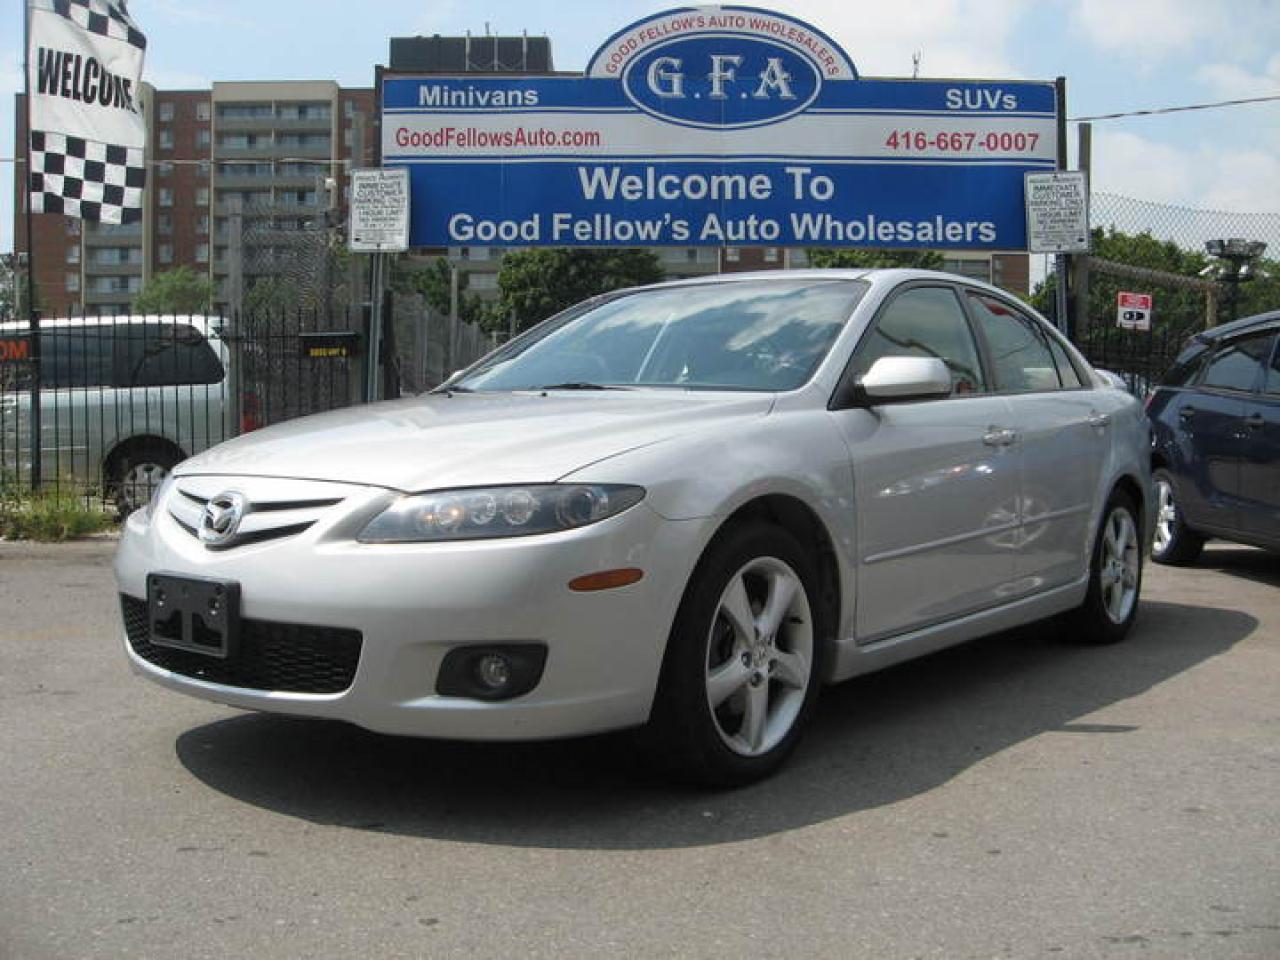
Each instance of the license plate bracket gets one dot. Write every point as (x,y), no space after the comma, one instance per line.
(196,614)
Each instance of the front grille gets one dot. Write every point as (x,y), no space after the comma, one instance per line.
(274,508)
(285,657)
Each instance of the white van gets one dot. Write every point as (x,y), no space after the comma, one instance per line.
(123,400)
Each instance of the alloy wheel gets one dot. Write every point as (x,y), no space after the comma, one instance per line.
(1119,565)
(759,656)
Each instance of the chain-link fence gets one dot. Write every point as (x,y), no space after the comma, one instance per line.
(1160,249)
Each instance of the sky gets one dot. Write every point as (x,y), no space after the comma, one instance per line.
(1116,55)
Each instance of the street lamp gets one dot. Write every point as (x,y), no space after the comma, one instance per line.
(1236,257)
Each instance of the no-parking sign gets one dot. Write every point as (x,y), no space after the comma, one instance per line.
(1133,311)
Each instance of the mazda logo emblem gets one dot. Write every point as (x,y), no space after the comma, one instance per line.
(221,519)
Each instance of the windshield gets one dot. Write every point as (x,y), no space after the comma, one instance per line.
(738,335)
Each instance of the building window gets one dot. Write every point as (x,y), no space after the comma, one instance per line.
(204,168)
(164,223)
(166,197)
(73,281)
(202,197)
(732,254)
(348,137)
(166,253)
(164,168)
(73,254)
(203,110)
(202,137)
(73,226)
(166,110)
(166,138)
(202,253)
(202,224)
(770,254)
(349,108)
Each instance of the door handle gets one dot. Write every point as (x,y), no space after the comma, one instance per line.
(1099,420)
(1000,437)
(1255,422)
(1186,413)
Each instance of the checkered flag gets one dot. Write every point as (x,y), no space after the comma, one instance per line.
(87,130)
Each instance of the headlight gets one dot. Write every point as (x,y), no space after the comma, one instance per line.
(485,512)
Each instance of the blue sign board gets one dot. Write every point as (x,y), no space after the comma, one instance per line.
(718,126)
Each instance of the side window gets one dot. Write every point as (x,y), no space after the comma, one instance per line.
(164,354)
(1067,371)
(1237,365)
(1020,352)
(1272,383)
(925,322)
(75,357)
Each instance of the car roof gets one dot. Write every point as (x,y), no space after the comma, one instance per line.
(203,323)
(1243,325)
(879,276)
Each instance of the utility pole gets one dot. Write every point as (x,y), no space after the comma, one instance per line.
(1080,262)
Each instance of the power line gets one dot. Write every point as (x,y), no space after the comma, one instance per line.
(1159,110)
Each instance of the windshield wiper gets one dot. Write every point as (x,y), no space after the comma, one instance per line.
(580,385)
(450,391)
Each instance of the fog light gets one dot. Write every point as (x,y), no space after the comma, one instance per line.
(496,671)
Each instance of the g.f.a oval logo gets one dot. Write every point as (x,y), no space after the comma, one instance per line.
(722,82)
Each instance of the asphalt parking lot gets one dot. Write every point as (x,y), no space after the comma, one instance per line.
(1016,797)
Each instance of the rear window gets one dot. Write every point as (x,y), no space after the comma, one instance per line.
(1186,367)
(1237,364)
(164,354)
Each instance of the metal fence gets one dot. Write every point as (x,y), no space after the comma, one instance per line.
(123,399)
(1173,266)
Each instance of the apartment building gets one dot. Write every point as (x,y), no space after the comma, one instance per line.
(275,154)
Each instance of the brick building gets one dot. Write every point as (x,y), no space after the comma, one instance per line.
(265,150)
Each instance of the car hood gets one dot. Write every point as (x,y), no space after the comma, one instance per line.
(466,439)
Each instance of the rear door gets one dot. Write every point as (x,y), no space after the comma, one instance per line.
(1210,428)
(1260,462)
(1064,433)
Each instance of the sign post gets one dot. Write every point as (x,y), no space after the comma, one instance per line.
(379,224)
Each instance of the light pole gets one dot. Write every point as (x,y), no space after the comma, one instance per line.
(1236,258)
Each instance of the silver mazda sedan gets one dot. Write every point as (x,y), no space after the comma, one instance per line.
(682,508)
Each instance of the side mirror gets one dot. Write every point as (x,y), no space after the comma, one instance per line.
(900,379)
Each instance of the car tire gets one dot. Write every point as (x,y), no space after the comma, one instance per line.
(1174,543)
(743,663)
(138,473)
(1115,576)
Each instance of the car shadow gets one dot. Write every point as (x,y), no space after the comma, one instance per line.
(875,740)
(1260,566)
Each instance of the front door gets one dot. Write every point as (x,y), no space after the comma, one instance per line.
(935,481)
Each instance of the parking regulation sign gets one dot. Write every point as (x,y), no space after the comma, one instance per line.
(1133,311)
(379,211)
(1057,212)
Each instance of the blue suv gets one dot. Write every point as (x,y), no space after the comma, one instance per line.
(1215,456)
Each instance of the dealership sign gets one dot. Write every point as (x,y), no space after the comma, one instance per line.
(717,126)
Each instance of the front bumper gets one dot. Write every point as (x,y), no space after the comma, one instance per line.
(413,603)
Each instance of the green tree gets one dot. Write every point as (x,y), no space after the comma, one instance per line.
(538,283)
(180,290)
(432,283)
(865,259)
(272,296)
